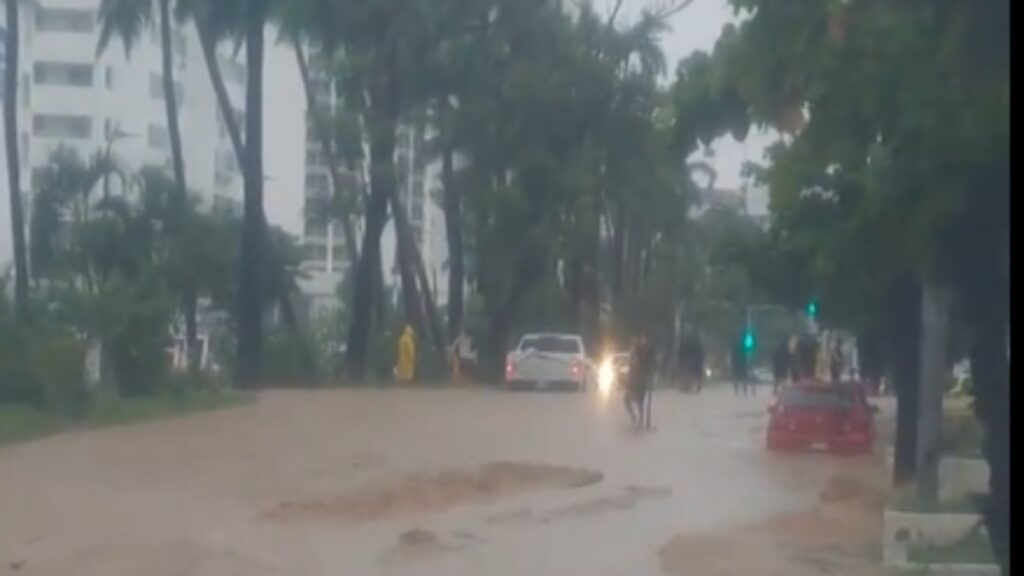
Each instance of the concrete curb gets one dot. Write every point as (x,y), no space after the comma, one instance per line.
(901,529)
(913,569)
(958,476)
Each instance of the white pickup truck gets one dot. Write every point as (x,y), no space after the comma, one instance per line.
(549,361)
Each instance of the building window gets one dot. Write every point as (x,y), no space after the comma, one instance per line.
(314,252)
(61,126)
(110,77)
(315,157)
(339,257)
(26,90)
(156,88)
(159,138)
(317,183)
(64,20)
(63,74)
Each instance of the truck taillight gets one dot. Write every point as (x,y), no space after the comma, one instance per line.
(576,369)
(510,368)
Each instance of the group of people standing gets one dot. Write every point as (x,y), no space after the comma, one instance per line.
(805,357)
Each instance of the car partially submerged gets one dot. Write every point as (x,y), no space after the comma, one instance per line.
(549,361)
(816,415)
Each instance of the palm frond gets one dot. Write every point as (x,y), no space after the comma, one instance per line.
(125,19)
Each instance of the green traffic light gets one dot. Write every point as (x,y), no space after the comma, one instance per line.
(812,309)
(748,341)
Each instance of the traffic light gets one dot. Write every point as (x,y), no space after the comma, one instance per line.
(812,309)
(749,342)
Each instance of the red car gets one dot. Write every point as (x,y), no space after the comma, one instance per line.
(836,417)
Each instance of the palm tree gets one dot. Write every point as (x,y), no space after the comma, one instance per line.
(14,163)
(214,21)
(127,19)
(63,204)
(250,312)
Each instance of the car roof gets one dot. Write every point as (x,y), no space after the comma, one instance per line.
(550,335)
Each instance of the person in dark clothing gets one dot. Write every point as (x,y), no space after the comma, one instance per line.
(683,359)
(805,360)
(690,362)
(741,379)
(641,373)
(780,366)
(836,365)
(698,365)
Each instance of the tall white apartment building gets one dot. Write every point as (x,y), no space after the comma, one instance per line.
(72,96)
(69,95)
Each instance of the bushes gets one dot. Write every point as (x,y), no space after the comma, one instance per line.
(288,360)
(132,321)
(58,364)
(43,368)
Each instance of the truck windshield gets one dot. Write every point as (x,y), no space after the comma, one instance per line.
(556,344)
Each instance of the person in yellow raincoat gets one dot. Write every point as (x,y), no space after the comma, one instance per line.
(406,368)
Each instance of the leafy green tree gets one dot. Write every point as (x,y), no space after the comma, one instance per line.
(898,143)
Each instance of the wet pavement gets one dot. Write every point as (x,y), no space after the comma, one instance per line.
(399,482)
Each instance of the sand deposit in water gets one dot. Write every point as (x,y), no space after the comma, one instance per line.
(437,492)
(838,537)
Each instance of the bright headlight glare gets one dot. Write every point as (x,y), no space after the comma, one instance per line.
(605,376)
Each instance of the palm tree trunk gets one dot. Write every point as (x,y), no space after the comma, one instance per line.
(333,165)
(14,164)
(411,300)
(420,308)
(383,113)
(177,156)
(171,98)
(227,113)
(453,229)
(209,46)
(618,261)
(189,305)
(984,272)
(250,309)
(990,370)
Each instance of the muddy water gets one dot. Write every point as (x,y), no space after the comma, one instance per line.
(425,483)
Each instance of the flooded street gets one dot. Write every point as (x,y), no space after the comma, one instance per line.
(400,482)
